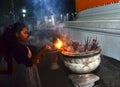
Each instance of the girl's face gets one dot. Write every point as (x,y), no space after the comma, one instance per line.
(23,35)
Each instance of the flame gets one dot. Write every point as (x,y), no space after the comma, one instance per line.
(58,43)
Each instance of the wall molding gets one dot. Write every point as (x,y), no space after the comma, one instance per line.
(101,10)
(101,22)
(102,25)
(100,19)
(98,30)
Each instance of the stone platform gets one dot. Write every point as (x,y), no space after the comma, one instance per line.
(108,71)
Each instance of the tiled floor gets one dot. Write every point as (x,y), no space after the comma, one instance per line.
(108,71)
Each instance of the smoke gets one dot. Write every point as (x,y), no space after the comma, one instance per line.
(47,36)
(42,8)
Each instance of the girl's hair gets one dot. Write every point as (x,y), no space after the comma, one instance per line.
(17,27)
(8,38)
(7,41)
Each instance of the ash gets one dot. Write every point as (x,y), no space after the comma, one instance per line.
(90,46)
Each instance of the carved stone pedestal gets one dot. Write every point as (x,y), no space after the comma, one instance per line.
(54,66)
(83,80)
(53,57)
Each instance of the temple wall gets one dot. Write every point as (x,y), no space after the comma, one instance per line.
(86,4)
(101,22)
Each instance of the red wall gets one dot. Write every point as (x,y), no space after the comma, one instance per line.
(85,4)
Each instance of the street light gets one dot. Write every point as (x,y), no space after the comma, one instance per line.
(24,13)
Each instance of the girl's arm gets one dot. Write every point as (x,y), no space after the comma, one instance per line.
(39,55)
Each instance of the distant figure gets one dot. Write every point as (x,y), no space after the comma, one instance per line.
(25,71)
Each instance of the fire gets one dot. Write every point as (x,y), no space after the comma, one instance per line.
(58,43)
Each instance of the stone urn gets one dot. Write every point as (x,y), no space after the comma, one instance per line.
(53,57)
(82,62)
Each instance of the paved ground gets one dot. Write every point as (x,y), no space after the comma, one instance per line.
(109,72)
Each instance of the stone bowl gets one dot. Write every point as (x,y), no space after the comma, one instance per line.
(82,62)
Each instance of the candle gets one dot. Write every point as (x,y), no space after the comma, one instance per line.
(53,20)
(61,17)
(46,20)
(67,16)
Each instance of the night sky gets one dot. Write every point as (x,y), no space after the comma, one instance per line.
(36,7)
(5,5)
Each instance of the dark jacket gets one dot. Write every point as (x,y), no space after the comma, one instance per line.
(20,53)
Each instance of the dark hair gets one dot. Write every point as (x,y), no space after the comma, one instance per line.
(17,27)
(8,38)
(7,43)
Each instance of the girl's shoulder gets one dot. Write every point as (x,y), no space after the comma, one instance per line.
(20,47)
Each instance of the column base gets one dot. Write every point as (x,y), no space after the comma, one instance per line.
(83,80)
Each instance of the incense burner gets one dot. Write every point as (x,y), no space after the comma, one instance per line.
(83,62)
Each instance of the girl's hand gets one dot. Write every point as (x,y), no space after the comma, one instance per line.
(38,57)
(41,52)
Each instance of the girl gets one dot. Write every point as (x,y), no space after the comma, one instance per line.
(25,72)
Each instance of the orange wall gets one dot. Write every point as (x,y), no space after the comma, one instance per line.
(84,4)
